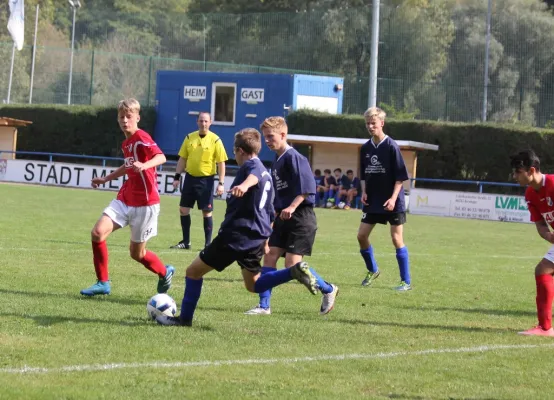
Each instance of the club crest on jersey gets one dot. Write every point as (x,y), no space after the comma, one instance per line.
(549,201)
(129,162)
(374,160)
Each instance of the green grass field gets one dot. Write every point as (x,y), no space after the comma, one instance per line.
(452,337)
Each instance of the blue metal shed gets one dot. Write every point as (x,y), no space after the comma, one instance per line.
(235,101)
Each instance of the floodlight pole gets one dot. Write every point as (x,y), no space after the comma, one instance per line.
(34,57)
(487,50)
(75,4)
(372,95)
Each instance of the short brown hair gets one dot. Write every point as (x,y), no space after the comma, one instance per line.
(128,105)
(274,123)
(249,140)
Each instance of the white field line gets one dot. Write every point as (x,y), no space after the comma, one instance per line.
(317,253)
(266,361)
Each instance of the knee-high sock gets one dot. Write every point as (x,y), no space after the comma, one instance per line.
(208,228)
(369,259)
(403,264)
(265,296)
(193,289)
(271,279)
(153,263)
(545,294)
(185,227)
(100,260)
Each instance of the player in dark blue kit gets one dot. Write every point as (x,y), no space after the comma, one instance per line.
(243,234)
(319,187)
(295,224)
(349,185)
(330,184)
(383,171)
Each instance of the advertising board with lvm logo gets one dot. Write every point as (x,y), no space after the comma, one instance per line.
(492,207)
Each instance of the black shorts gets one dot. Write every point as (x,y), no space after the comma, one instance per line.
(219,256)
(391,218)
(198,189)
(296,235)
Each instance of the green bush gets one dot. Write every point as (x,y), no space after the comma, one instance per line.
(86,130)
(476,151)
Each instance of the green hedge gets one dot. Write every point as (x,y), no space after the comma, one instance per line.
(466,151)
(72,129)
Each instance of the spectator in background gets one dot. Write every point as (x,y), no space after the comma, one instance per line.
(349,188)
(320,187)
(338,178)
(329,183)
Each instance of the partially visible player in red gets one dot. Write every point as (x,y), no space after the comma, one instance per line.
(137,203)
(540,201)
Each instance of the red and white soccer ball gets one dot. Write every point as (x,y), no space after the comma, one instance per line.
(161,305)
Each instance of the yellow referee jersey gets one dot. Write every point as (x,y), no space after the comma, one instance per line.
(202,153)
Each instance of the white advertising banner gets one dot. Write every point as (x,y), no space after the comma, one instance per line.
(74,175)
(493,207)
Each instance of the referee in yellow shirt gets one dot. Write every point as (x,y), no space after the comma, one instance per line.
(198,156)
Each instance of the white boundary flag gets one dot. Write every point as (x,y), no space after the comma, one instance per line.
(16,22)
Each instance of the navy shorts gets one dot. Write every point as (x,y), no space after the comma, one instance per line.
(295,235)
(219,256)
(198,190)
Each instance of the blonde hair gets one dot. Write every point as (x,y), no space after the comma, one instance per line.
(375,112)
(274,123)
(249,140)
(128,105)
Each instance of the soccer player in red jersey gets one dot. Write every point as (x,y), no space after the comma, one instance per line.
(540,201)
(137,203)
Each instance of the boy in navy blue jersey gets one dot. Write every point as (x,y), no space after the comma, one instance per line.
(243,234)
(295,224)
(349,188)
(383,171)
(338,179)
(330,184)
(319,187)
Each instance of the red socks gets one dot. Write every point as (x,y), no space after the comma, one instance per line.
(545,295)
(154,264)
(100,259)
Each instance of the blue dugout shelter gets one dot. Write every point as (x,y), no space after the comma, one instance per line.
(235,101)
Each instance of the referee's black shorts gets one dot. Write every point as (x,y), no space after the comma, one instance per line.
(198,190)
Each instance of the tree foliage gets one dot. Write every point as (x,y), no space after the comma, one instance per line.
(431,52)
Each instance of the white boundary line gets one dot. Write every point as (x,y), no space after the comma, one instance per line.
(207,363)
(120,249)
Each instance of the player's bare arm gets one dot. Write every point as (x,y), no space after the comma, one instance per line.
(221,173)
(110,177)
(390,203)
(240,190)
(544,231)
(287,212)
(364,194)
(158,159)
